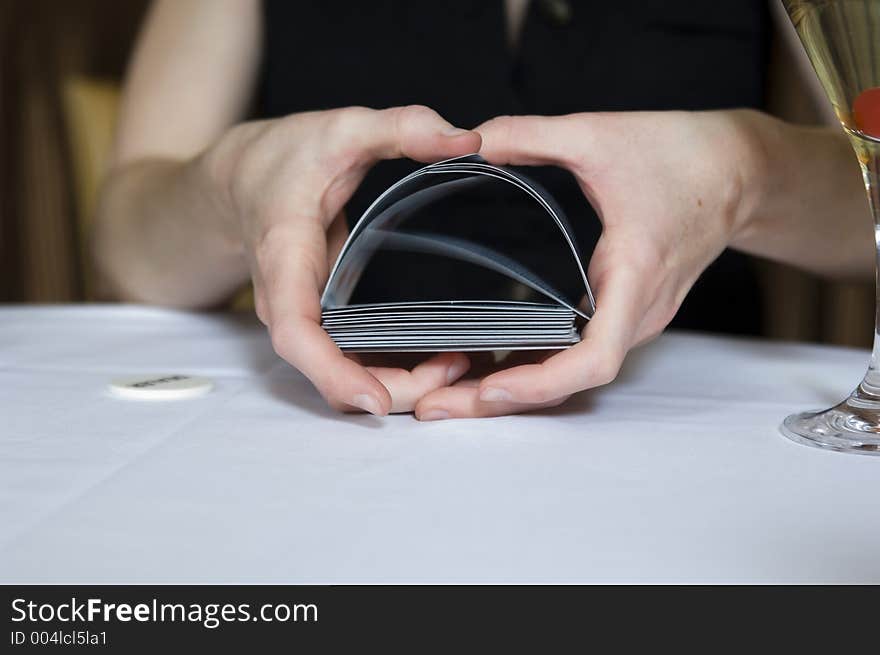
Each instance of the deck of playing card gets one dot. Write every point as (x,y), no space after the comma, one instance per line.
(462,325)
(449,324)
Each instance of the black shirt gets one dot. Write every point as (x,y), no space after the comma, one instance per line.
(454,57)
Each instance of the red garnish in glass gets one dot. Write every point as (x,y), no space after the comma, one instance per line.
(866,112)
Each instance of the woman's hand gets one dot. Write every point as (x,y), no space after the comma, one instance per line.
(672,190)
(280,188)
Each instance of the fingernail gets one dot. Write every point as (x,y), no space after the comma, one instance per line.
(453,131)
(494,394)
(434,415)
(367,403)
(456,370)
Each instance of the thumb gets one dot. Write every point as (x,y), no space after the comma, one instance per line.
(530,140)
(416,132)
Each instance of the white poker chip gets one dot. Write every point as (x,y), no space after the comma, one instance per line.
(161,387)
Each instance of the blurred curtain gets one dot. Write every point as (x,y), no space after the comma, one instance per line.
(9,286)
(45,44)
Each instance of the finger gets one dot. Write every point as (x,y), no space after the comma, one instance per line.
(293,268)
(413,131)
(463,401)
(594,361)
(357,137)
(407,387)
(531,140)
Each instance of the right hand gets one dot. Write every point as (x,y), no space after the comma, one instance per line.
(281,187)
(671,189)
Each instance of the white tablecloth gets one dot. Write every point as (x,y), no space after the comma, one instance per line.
(675,473)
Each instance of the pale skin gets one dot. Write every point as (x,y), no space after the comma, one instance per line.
(197,203)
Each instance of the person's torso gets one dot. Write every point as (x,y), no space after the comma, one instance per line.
(576,56)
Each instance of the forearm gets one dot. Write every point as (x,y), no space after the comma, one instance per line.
(807,204)
(159,236)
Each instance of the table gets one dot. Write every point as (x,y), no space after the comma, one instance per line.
(675,473)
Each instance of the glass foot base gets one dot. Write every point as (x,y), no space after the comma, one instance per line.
(853,426)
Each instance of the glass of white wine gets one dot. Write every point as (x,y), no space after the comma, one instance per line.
(842,39)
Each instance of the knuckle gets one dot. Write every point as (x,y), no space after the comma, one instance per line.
(399,119)
(606,370)
(343,140)
(406,123)
(500,120)
(341,124)
(283,337)
(413,113)
(502,127)
(337,120)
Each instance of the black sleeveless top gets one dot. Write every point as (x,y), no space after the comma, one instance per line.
(590,56)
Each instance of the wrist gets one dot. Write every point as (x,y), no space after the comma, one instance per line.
(753,135)
(206,177)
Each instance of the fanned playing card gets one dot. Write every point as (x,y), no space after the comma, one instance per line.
(450,323)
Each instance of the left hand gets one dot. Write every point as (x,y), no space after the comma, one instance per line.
(672,190)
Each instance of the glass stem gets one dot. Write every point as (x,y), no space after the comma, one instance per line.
(870,165)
